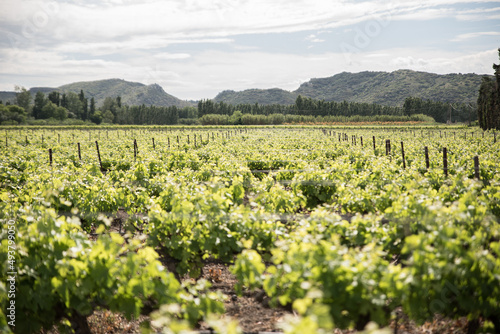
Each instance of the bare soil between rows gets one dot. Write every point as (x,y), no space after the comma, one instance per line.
(253,313)
(251,310)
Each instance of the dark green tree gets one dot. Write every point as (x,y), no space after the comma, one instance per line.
(92,106)
(49,110)
(40,101)
(488,101)
(55,97)
(12,114)
(74,105)
(85,105)
(299,103)
(81,96)
(96,117)
(61,113)
(23,97)
(64,101)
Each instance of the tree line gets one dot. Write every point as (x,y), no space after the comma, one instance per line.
(304,106)
(489,101)
(72,108)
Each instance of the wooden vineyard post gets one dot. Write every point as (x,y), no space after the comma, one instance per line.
(426,150)
(494,137)
(50,156)
(361,139)
(79,153)
(387,147)
(26,140)
(374,147)
(403,155)
(154,147)
(476,167)
(98,155)
(445,161)
(135,149)
(188,139)
(168,141)
(339,137)
(178,144)
(58,138)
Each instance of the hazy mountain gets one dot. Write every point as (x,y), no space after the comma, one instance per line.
(7,97)
(132,93)
(370,87)
(260,96)
(394,87)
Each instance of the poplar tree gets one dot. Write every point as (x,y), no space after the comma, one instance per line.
(488,101)
(39,104)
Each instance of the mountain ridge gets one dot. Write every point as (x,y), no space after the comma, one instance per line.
(132,93)
(385,88)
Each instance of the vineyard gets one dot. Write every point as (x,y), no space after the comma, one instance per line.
(339,225)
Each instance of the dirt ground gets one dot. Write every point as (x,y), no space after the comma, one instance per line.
(252,310)
(254,314)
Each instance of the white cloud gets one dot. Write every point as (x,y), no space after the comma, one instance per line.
(314,39)
(463,37)
(172,56)
(205,74)
(74,21)
(408,62)
(45,42)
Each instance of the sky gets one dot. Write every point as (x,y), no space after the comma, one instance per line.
(195,49)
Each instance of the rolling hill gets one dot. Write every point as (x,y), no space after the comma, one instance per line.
(394,87)
(386,88)
(7,97)
(260,96)
(132,93)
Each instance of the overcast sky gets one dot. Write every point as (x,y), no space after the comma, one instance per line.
(196,48)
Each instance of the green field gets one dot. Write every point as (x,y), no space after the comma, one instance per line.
(330,221)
